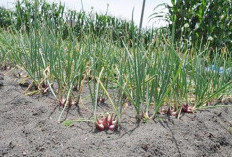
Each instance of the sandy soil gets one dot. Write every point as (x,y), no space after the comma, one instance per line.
(28,127)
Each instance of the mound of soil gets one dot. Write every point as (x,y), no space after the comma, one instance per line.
(28,127)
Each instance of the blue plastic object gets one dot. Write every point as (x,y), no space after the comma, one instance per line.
(220,70)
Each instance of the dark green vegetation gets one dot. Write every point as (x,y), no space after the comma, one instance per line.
(198,22)
(28,14)
(150,69)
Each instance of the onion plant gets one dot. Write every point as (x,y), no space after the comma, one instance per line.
(6,42)
(113,62)
(209,84)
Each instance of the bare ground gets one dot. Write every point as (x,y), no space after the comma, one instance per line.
(28,127)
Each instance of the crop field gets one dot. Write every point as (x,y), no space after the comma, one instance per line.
(106,81)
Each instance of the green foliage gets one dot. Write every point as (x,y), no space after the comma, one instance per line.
(5,17)
(112,62)
(29,14)
(202,21)
(35,12)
